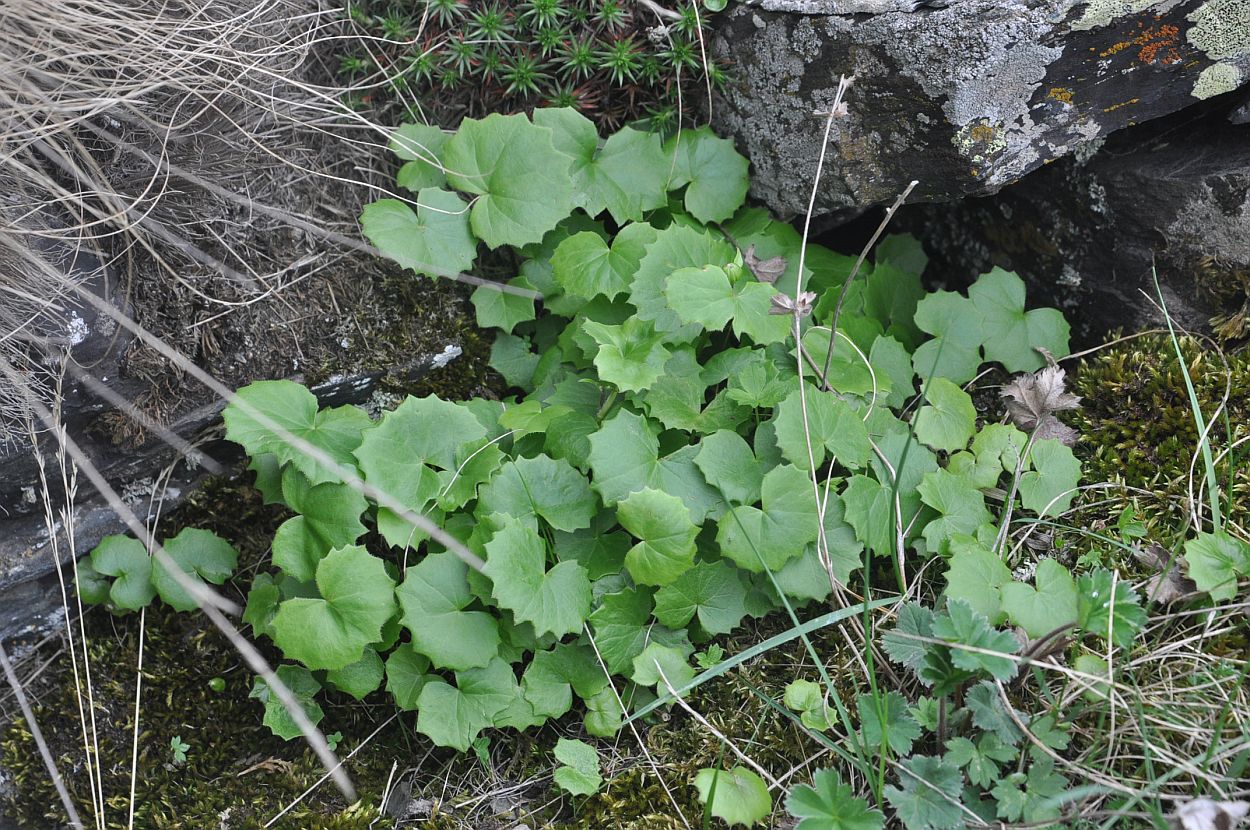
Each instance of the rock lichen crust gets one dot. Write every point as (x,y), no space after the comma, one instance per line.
(964,96)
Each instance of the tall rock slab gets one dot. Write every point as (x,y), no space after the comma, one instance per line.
(963,96)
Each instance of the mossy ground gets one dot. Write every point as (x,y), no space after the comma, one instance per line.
(1138,434)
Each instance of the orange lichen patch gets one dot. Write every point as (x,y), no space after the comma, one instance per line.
(1061,94)
(1154,44)
(982,132)
(1115,107)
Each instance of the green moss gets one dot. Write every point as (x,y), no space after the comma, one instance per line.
(1136,421)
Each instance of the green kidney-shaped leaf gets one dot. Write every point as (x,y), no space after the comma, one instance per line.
(540,486)
(1049,488)
(291,408)
(705,296)
(1011,333)
(585,265)
(203,556)
(662,524)
(631,355)
(758,539)
(419,145)
(830,423)
(948,420)
(677,246)
(1040,610)
(626,177)
(454,715)
(357,598)
(521,179)
(578,772)
(303,686)
(1215,560)
(499,309)
(433,597)
(434,239)
(360,678)
(128,562)
(406,675)
(329,518)
(736,796)
(710,590)
(555,601)
(714,173)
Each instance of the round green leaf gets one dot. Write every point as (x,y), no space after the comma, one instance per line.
(662,524)
(303,686)
(454,715)
(578,772)
(433,597)
(1040,610)
(293,409)
(948,420)
(1010,333)
(714,173)
(357,598)
(433,240)
(359,678)
(587,267)
(555,601)
(737,796)
(521,180)
(406,676)
(127,560)
(203,556)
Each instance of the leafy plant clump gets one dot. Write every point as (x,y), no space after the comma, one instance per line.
(687,447)
(613,60)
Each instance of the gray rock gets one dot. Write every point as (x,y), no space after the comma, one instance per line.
(965,97)
(1088,233)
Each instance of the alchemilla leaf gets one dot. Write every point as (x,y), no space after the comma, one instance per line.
(433,598)
(357,598)
(521,180)
(556,601)
(828,804)
(433,240)
(665,532)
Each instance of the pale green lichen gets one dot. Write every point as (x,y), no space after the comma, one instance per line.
(1217,79)
(1101,12)
(1221,28)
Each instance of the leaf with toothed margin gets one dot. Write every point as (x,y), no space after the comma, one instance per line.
(433,597)
(291,408)
(203,557)
(520,178)
(331,631)
(626,176)
(555,601)
(714,173)
(303,687)
(329,518)
(677,246)
(586,266)
(433,240)
(128,562)
(662,525)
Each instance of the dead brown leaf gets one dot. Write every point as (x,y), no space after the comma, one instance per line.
(1206,814)
(1033,399)
(765,270)
(1168,584)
